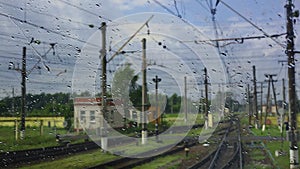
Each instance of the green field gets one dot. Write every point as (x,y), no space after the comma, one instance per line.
(163,162)
(83,160)
(281,161)
(33,139)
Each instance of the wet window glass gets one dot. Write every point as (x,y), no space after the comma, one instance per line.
(149,84)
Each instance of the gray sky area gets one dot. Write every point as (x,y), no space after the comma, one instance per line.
(63,42)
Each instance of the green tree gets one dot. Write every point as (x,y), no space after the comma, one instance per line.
(122,82)
(173,104)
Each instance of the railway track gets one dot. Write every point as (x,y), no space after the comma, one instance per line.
(210,159)
(127,162)
(18,158)
(229,151)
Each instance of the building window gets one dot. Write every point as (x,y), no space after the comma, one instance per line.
(134,115)
(82,116)
(92,116)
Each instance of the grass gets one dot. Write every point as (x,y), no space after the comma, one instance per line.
(162,162)
(257,158)
(282,161)
(33,139)
(273,130)
(83,160)
(133,149)
(257,155)
(171,118)
(257,166)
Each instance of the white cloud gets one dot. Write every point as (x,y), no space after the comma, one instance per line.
(117,8)
(128,4)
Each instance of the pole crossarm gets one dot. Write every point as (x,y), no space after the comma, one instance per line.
(238,39)
(131,37)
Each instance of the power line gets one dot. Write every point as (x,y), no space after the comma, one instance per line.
(258,28)
(173,13)
(166,8)
(175,4)
(49,15)
(85,10)
(17,38)
(46,29)
(204,7)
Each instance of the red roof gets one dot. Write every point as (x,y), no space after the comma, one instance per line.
(97,100)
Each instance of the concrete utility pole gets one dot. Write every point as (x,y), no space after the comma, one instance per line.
(269,101)
(275,100)
(156,80)
(13,102)
(206,97)
(255,98)
(23,91)
(283,113)
(249,105)
(185,101)
(24,75)
(201,107)
(103,133)
(261,101)
(23,88)
(144,93)
(292,133)
(267,105)
(284,100)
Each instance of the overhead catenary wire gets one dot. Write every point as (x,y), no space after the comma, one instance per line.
(204,7)
(47,14)
(165,7)
(130,38)
(85,10)
(175,4)
(254,25)
(241,39)
(185,21)
(16,38)
(46,29)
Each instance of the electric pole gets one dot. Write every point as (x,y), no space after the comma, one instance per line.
(185,100)
(201,108)
(144,93)
(255,98)
(103,86)
(23,88)
(249,105)
(13,102)
(275,100)
(284,100)
(206,97)
(156,80)
(269,101)
(283,113)
(261,101)
(292,133)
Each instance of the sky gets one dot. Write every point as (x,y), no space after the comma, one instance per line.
(178,43)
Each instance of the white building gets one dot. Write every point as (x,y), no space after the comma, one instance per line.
(88,113)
